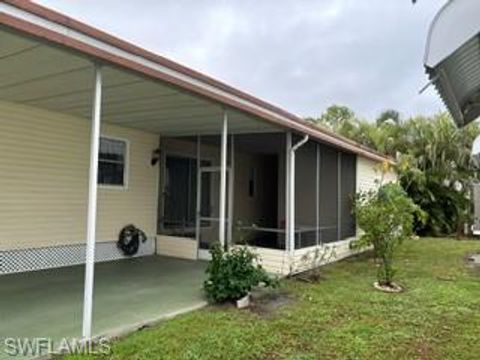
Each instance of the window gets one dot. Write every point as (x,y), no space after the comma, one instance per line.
(111,162)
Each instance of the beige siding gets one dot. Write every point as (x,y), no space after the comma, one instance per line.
(369,175)
(272,260)
(281,263)
(43,187)
(179,247)
(311,257)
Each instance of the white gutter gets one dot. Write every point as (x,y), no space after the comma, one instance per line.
(291,193)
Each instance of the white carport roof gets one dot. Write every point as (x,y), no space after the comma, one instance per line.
(40,75)
(46,60)
(452,58)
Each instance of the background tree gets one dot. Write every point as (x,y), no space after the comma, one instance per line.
(434,163)
(335,116)
(389,115)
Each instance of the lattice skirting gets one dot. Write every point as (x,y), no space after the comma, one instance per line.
(15,261)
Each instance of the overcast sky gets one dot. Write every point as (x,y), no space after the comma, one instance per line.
(300,55)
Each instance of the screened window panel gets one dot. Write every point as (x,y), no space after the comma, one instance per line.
(305,189)
(181,193)
(177,188)
(328,195)
(348,189)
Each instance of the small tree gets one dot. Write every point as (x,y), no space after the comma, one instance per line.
(387,218)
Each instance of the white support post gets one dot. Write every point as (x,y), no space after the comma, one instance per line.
(288,148)
(339,196)
(223,180)
(92,206)
(317,195)
(291,234)
(231,179)
(198,208)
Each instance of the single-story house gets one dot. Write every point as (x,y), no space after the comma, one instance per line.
(98,133)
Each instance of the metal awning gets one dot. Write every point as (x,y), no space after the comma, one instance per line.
(452,58)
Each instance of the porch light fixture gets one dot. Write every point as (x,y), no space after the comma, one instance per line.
(155,157)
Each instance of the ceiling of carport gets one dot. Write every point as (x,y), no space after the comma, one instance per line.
(47,77)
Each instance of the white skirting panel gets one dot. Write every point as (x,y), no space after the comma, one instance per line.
(179,247)
(15,261)
(281,263)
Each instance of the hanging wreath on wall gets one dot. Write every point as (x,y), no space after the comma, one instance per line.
(129,239)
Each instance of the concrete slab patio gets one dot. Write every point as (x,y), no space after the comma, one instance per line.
(127,293)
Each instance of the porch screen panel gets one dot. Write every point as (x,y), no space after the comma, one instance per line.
(328,194)
(305,188)
(180,193)
(348,188)
(179,209)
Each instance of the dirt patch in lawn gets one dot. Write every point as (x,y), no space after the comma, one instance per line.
(311,276)
(473,259)
(265,303)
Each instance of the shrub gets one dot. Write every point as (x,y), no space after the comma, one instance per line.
(233,274)
(387,218)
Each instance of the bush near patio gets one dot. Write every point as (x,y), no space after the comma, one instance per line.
(386,217)
(233,274)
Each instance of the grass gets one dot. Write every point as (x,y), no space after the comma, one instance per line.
(342,317)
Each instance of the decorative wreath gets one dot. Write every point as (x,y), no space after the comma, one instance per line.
(129,239)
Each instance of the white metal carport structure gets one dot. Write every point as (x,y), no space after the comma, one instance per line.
(452,58)
(48,60)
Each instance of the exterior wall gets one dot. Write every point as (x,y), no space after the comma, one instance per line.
(44,164)
(279,262)
(310,257)
(179,247)
(369,176)
(272,260)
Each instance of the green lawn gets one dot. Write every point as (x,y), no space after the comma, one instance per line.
(438,317)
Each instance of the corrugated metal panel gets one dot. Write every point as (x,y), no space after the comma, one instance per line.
(452,58)
(43,187)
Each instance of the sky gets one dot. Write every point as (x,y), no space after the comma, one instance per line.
(302,55)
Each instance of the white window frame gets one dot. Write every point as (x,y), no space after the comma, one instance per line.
(126,170)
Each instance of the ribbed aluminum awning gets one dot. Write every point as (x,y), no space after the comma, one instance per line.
(452,58)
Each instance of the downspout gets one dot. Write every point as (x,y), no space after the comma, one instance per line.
(291,220)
